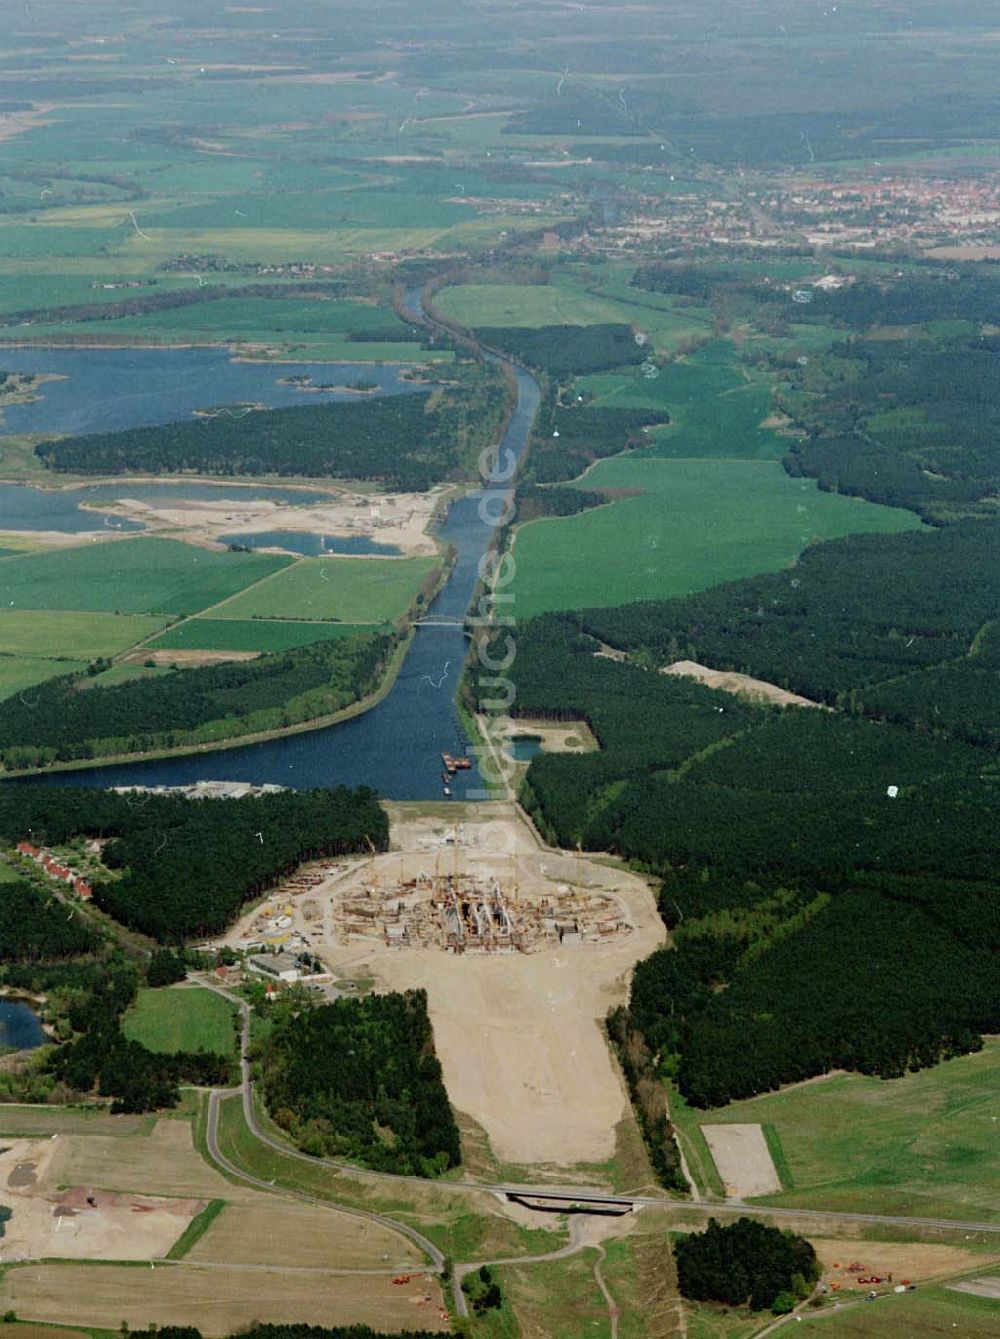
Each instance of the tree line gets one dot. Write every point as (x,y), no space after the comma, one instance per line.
(796,847)
(404,441)
(359,1079)
(183,868)
(68,718)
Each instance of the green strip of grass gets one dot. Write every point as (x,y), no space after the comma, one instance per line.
(196,1229)
(773,1141)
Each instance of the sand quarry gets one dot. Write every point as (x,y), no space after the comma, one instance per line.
(518,1030)
(80,1222)
(397,519)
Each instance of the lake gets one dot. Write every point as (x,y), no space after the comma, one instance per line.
(25,508)
(395,747)
(107,390)
(20,1026)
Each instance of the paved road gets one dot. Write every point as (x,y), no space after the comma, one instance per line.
(577,1194)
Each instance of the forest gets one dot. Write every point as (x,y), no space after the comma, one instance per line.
(888,626)
(796,847)
(181,869)
(34,926)
(407,441)
(566,350)
(927,292)
(909,423)
(47,949)
(746,1264)
(359,1079)
(567,438)
(67,718)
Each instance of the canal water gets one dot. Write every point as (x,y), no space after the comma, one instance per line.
(396,746)
(20,1027)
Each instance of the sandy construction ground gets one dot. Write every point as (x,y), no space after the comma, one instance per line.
(254,1228)
(743,1158)
(80,1222)
(759,690)
(399,519)
(262,1230)
(519,1035)
(904,1260)
(217,1299)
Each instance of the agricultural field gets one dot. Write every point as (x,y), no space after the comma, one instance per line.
(20,672)
(85,636)
(251,634)
(217,1299)
(350,590)
(181,1019)
(919,1145)
(132,576)
(693,524)
(716,408)
(583,296)
(220,1278)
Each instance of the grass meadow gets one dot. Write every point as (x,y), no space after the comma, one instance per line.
(693,524)
(350,590)
(921,1145)
(30,632)
(18,673)
(181,1019)
(716,411)
(600,293)
(929,1311)
(132,576)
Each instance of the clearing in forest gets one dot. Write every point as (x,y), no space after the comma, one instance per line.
(181,1019)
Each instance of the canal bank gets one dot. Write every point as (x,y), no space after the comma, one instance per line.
(396,746)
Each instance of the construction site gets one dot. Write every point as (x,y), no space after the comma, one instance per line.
(522,951)
(463,913)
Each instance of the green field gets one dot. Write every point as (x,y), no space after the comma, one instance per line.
(82,635)
(251,634)
(920,1145)
(590,296)
(181,1019)
(561,303)
(716,410)
(350,590)
(695,523)
(132,576)
(928,1311)
(20,672)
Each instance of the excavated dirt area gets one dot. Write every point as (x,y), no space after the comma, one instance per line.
(80,1222)
(518,1030)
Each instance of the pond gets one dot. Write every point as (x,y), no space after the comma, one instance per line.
(20,1026)
(522,748)
(297,541)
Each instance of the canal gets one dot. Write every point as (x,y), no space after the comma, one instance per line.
(395,747)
